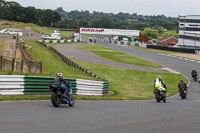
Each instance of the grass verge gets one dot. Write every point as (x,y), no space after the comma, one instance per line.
(132,84)
(67,34)
(119,56)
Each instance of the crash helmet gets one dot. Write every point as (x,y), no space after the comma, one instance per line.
(59,74)
(181,80)
(158,76)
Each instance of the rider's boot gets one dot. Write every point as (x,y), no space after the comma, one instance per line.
(65,94)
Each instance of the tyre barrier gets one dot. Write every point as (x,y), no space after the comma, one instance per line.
(122,43)
(58,41)
(36,85)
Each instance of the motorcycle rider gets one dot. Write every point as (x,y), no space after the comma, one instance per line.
(182,85)
(58,82)
(159,83)
(194,73)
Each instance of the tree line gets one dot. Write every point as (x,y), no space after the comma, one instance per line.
(15,12)
(151,26)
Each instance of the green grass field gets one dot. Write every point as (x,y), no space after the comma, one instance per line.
(67,34)
(133,84)
(119,56)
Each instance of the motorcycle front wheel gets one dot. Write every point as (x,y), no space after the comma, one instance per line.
(71,101)
(55,100)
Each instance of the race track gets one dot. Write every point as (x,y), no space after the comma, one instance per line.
(175,116)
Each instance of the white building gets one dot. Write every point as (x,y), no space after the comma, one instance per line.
(189,32)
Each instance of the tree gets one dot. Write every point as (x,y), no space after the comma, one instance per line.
(170,33)
(150,33)
(106,22)
(84,23)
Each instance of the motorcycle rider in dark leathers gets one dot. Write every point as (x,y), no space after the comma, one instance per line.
(182,85)
(194,73)
(58,82)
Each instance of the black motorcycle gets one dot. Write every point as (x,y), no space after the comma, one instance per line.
(183,93)
(57,97)
(195,78)
(160,95)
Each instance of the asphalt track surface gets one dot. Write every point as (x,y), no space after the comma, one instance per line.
(174,116)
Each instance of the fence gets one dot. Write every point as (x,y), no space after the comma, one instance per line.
(22,85)
(30,65)
(69,62)
(21,66)
(17,65)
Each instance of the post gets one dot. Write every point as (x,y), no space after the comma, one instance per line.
(13,64)
(195,40)
(29,68)
(1,61)
(22,65)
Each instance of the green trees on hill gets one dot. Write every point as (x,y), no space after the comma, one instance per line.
(14,11)
(119,21)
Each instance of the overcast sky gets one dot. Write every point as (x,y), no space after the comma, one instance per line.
(141,7)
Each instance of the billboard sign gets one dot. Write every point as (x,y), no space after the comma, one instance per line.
(103,31)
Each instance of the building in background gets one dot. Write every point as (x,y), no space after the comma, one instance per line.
(13,31)
(167,41)
(189,31)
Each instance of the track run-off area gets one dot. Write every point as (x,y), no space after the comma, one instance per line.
(139,116)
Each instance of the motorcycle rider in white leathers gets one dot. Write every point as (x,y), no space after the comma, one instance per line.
(160,84)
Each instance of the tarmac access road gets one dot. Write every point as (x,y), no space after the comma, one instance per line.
(145,116)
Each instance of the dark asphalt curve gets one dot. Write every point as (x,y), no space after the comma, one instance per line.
(175,116)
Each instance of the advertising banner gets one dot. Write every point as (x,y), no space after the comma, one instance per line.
(102,31)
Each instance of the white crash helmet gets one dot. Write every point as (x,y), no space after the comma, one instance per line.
(59,74)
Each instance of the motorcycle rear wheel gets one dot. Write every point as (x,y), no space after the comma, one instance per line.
(158,98)
(55,100)
(164,98)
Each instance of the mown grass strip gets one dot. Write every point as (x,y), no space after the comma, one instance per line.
(119,56)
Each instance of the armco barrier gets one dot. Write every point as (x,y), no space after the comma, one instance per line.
(22,85)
